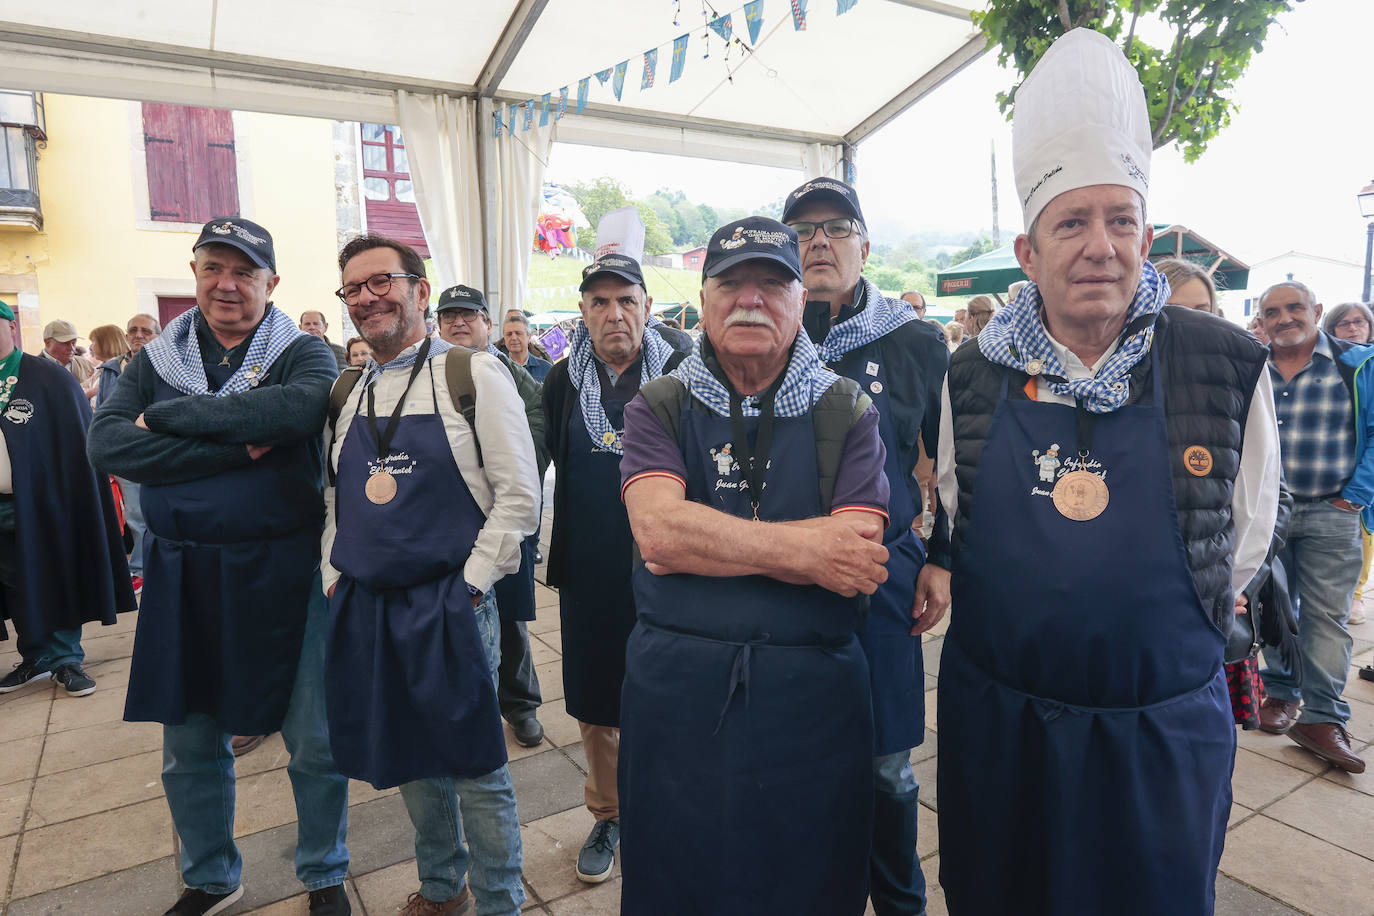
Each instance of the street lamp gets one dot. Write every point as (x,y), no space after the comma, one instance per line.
(1366,198)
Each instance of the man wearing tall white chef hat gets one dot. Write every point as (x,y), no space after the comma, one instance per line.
(1086,738)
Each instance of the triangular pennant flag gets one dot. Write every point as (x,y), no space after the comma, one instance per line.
(496,127)
(584,86)
(511,110)
(544,109)
(618,83)
(603,75)
(650,63)
(679,57)
(562,104)
(844,6)
(799,15)
(753,14)
(722,26)
(528,106)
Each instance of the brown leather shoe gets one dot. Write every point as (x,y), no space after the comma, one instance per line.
(419,905)
(1277,716)
(1330,742)
(242,744)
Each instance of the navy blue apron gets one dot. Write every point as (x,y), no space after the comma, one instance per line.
(596,604)
(515,592)
(228,568)
(895,663)
(1086,741)
(407,686)
(746,719)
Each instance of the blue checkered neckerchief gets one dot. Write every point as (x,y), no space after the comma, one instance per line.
(404,360)
(879,317)
(1316,425)
(176,357)
(654,351)
(802,384)
(1016,336)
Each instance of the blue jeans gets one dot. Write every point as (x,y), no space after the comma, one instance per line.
(198,776)
(896,882)
(1322,556)
(133,520)
(445,809)
(61,647)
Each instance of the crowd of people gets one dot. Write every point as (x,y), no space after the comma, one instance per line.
(1124,498)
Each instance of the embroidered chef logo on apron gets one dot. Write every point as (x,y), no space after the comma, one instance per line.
(1197,460)
(726,466)
(20,411)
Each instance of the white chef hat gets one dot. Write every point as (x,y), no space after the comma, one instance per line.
(1080,120)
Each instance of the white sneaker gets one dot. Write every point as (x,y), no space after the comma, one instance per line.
(1357,615)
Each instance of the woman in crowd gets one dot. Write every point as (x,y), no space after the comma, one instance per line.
(358,351)
(111,350)
(1191,285)
(980,310)
(954,334)
(1353,321)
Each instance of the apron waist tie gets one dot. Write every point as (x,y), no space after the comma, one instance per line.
(1055,708)
(739,668)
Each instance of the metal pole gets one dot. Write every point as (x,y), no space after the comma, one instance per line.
(1368,259)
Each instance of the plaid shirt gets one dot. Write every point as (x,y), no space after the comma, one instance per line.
(1316,426)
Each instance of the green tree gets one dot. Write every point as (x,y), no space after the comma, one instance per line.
(597,198)
(1188,83)
(982,246)
(709,222)
(656,238)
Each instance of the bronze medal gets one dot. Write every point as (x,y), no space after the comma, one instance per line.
(380,488)
(1080,495)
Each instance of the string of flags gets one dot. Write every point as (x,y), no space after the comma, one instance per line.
(722,26)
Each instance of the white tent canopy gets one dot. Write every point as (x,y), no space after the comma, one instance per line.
(797,99)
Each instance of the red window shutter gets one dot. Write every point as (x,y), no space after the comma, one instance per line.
(164,136)
(218,180)
(169,307)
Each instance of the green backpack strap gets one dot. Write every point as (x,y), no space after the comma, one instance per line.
(338,396)
(458,375)
(834,415)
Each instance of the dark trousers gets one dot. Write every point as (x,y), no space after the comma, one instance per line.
(517,686)
(47,650)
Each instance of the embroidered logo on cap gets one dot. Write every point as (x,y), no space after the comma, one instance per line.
(222,230)
(1197,460)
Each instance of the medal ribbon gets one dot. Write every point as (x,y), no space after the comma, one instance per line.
(754,466)
(9,376)
(384,440)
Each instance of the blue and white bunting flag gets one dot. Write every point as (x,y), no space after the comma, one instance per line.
(650,64)
(844,6)
(528,106)
(618,81)
(544,109)
(799,15)
(603,75)
(722,26)
(562,104)
(679,57)
(496,126)
(584,86)
(753,14)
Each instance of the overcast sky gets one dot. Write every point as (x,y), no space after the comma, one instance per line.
(1282,177)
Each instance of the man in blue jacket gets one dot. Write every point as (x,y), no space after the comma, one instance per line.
(1322,394)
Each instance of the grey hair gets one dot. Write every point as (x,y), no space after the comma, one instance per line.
(157,325)
(1307,295)
(516,317)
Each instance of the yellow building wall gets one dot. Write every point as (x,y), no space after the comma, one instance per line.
(92,264)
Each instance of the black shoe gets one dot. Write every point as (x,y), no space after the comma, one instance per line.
(23,673)
(330,901)
(75,679)
(199,903)
(538,556)
(528,732)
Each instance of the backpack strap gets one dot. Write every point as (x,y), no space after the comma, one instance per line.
(338,396)
(458,376)
(834,415)
(665,396)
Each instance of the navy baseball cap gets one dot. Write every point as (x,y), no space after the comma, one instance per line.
(621,265)
(824,190)
(245,235)
(754,238)
(461,297)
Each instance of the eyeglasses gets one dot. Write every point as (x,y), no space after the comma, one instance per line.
(466,316)
(377,284)
(1352,323)
(841,227)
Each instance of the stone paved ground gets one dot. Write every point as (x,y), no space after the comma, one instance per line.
(84,828)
